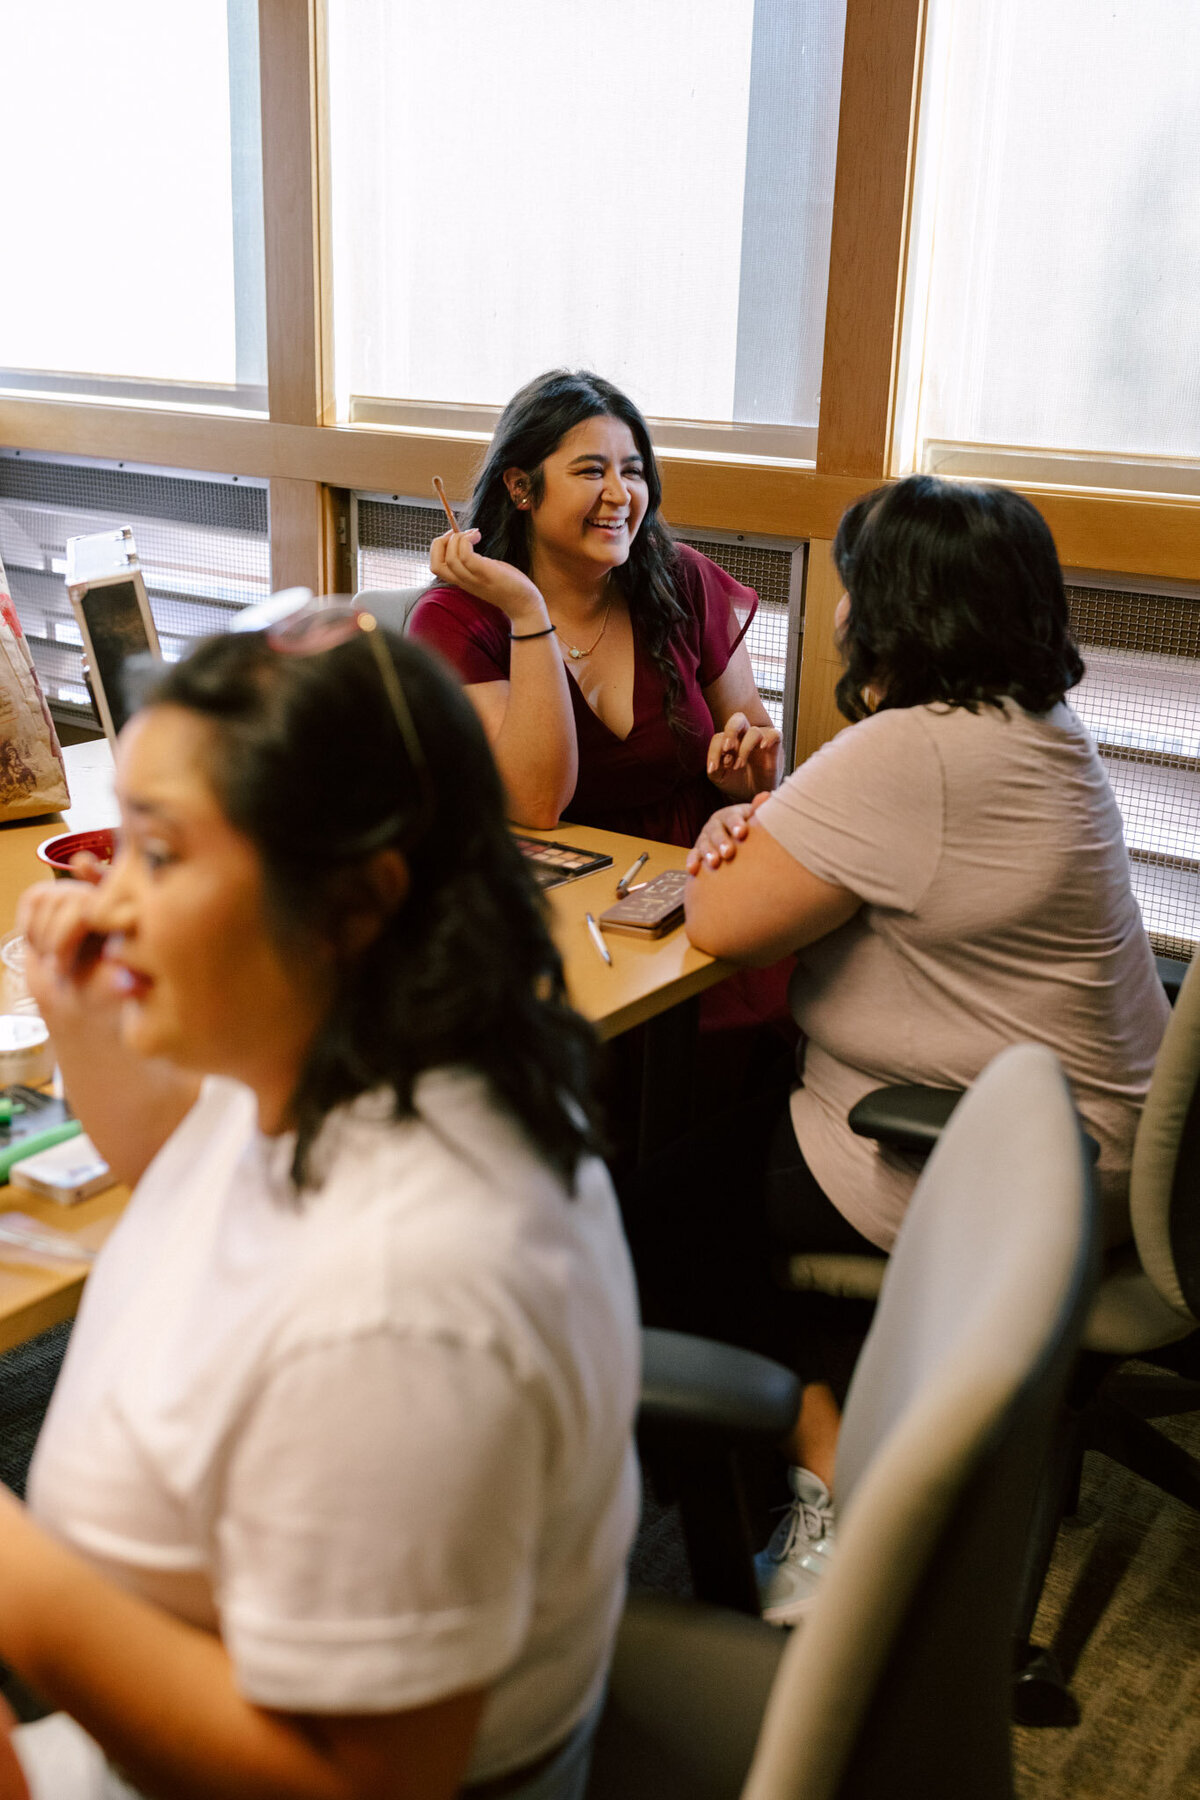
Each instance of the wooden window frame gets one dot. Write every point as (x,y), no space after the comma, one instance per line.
(313,463)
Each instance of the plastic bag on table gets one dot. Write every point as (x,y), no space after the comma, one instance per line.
(33,779)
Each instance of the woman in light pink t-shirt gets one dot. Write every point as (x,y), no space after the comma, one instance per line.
(953,876)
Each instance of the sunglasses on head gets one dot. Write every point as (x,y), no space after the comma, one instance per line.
(327,621)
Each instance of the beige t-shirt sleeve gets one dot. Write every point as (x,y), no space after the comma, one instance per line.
(866,811)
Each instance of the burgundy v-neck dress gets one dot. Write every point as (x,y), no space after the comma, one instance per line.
(652,783)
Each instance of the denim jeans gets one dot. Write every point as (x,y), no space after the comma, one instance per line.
(566,1777)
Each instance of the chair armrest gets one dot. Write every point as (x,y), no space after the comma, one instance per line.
(694,1389)
(904,1118)
(1171,972)
(911,1119)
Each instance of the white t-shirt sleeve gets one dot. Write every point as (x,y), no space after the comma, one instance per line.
(866,811)
(325,1608)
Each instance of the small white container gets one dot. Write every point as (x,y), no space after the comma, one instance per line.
(26,1053)
(13,988)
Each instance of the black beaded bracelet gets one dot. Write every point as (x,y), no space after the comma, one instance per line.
(523,637)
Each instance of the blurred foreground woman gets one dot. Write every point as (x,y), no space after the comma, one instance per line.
(336,1489)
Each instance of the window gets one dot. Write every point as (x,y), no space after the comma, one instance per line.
(1140,699)
(645,190)
(201,541)
(1050,338)
(1053,320)
(134,235)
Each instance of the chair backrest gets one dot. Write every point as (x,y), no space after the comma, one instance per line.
(393,607)
(1164,1182)
(899,1682)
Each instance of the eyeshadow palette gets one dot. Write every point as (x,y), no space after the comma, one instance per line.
(650,910)
(552,863)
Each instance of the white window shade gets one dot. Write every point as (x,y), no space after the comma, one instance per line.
(133,205)
(1060,213)
(1140,699)
(645,190)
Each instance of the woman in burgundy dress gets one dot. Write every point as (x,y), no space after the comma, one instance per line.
(606,661)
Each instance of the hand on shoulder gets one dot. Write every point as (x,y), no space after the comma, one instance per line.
(719,839)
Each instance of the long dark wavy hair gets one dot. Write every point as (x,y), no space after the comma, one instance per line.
(309,763)
(531,427)
(956,595)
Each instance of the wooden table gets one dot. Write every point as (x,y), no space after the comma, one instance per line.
(646,978)
(647,981)
(32,1298)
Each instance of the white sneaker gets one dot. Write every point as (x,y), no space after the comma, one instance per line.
(789,1570)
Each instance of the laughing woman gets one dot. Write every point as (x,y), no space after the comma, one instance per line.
(334,1496)
(606,661)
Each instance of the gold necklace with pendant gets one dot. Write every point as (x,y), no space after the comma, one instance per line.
(573,650)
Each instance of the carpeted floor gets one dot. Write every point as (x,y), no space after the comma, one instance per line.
(1121,1608)
(27,1377)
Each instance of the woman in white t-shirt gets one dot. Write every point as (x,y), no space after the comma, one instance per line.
(336,1489)
(952,872)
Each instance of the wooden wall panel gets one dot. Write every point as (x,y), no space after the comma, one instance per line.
(817,716)
(871,203)
(340,574)
(773,502)
(298,522)
(292,80)
(1128,534)
(295,208)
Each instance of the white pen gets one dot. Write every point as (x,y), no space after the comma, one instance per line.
(598,938)
(627,877)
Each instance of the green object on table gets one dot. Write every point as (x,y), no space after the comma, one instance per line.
(6,1110)
(37,1140)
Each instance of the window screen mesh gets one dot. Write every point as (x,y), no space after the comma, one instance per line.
(393,551)
(1140,699)
(769,573)
(202,544)
(393,542)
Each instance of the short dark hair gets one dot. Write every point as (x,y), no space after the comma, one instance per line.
(309,763)
(956,595)
(531,427)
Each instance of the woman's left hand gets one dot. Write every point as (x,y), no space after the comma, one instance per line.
(719,839)
(743,759)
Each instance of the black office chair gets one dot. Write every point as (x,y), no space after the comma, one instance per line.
(898,1681)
